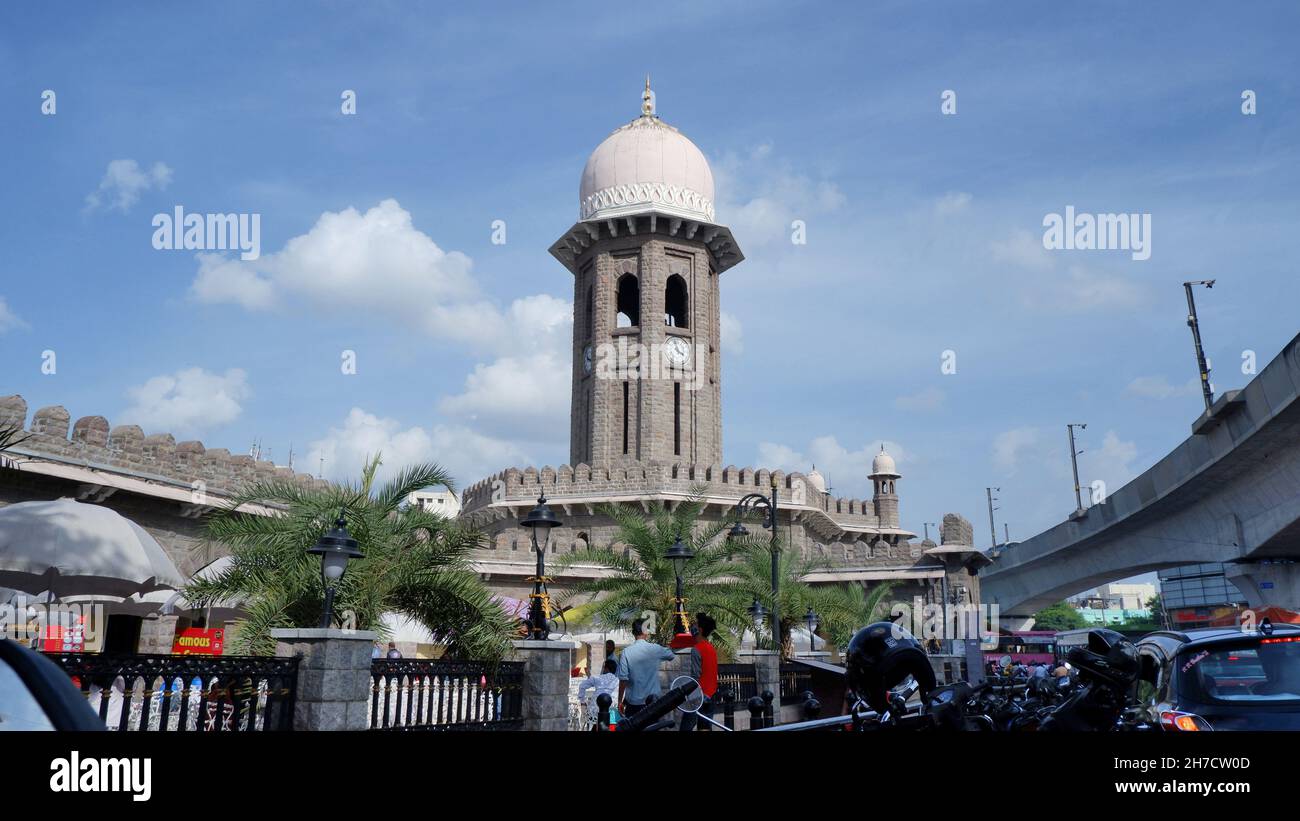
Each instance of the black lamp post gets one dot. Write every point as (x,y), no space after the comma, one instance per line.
(335,548)
(756,615)
(679,554)
(540,519)
(812,618)
(769,506)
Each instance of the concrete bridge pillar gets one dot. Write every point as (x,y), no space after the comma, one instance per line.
(1267,583)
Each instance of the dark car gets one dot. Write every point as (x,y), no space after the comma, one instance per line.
(1219,678)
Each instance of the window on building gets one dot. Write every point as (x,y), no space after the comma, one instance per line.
(591,311)
(676,308)
(626,391)
(677,418)
(628,302)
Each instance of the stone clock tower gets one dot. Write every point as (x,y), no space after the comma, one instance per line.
(646,257)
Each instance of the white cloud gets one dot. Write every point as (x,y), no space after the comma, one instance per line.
(221,279)
(1157,387)
(188,401)
(954,202)
(1023,250)
(733,334)
(123,182)
(467,455)
(1010,446)
(926,400)
(760,196)
(9,321)
(1112,463)
(846,470)
(1051,288)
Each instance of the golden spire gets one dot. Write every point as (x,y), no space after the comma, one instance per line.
(647,100)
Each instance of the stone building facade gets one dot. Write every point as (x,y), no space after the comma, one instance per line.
(647,256)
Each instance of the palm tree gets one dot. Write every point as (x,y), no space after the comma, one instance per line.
(415,565)
(842,608)
(642,580)
(11,435)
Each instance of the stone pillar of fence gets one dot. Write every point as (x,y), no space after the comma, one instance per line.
(767,670)
(546,683)
(157,635)
(333,676)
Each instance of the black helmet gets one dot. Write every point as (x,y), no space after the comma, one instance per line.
(880,657)
(1108,656)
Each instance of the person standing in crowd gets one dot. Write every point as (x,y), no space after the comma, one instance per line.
(393,652)
(703,668)
(638,671)
(606,682)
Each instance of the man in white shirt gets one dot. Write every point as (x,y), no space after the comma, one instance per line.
(606,682)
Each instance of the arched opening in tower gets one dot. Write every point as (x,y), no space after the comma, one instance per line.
(676,308)
(629,302)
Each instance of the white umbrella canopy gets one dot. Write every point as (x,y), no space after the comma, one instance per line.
(72,548)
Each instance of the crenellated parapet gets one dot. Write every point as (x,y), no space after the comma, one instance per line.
(91,442)
(631,480)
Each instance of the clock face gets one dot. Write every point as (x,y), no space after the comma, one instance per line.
(677,350)
(586,358)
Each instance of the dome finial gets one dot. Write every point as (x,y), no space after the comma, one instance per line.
(647,100)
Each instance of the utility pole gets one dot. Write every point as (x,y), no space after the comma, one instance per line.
(1202,364)
(1074,462)
(993,531)
(926,525)
(1006,531)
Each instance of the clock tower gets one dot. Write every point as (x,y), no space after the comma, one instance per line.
(646,257)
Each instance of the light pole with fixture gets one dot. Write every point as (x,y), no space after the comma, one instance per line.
(335,548)
(769,506)
(1202,364)
(540,520)
(812,618)
(679,554)
(1074,462)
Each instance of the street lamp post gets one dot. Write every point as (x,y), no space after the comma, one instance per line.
(540,520)
(756,615)
(1074,461)
(335,548)
(812,618)
(679,554)
(1202,364)
(769,506)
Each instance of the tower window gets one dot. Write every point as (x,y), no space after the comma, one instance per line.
(625,404)
(591,306)
(676,304)
(677,418)
(629,302)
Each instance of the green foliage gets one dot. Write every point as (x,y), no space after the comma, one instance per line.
(11,435)
(416,564)
(723,579)
(1058,617)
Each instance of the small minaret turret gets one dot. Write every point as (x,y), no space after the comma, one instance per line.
(884,496)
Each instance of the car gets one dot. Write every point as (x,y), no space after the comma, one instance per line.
(1218,678)
(36,695)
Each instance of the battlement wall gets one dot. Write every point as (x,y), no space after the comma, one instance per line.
(649,478)
(126,449)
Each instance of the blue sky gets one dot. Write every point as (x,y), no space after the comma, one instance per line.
(924,230)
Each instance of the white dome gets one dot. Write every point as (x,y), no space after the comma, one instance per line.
(883,464)
(817,480)
(647,165)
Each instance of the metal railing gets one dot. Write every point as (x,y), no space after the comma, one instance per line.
(795,679)
(740,679)
(165,693)
(433,694)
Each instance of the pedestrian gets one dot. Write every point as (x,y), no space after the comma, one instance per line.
(606,682)
(610,651)
(393,652)
(638,671)
(376,651)
(703,668)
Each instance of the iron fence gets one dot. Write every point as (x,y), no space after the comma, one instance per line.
(795,679)
(433,694)
(739,679)
(165,693)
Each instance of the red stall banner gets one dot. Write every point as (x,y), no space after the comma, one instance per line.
(199,641)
